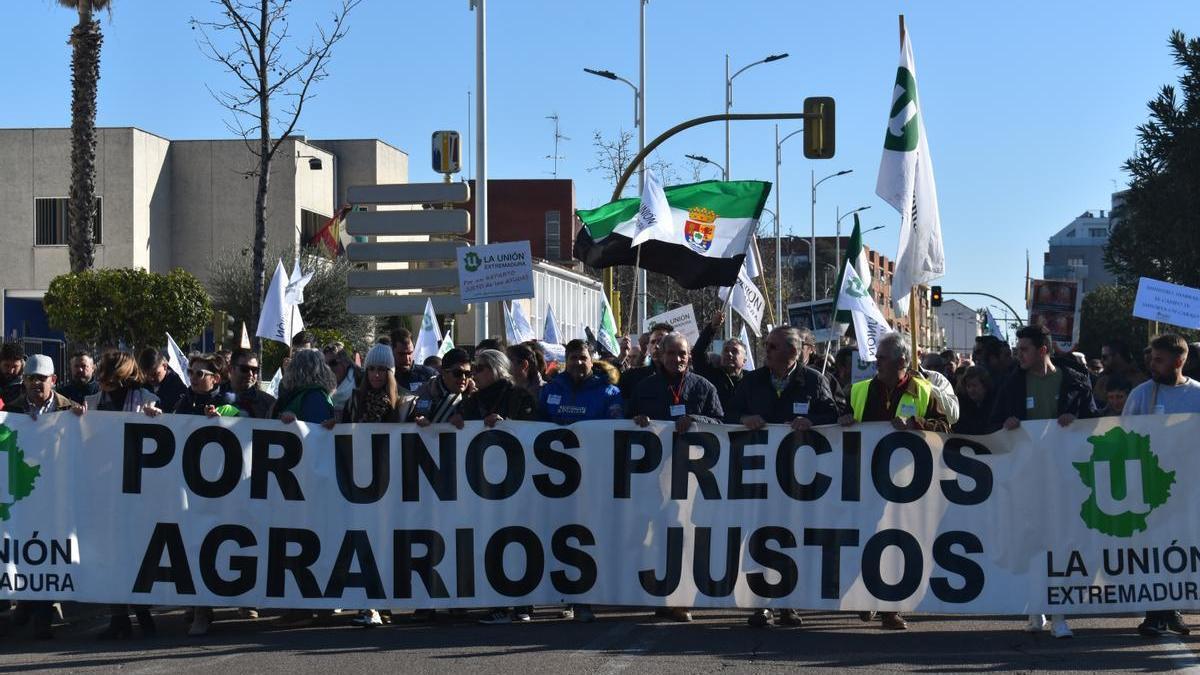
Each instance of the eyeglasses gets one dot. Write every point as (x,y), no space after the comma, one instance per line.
(200,372)
(252,370)
(460,373)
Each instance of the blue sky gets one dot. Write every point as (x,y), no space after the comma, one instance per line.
(1030,107)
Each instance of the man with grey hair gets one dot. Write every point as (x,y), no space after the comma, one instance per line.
(675,393)
(726,375)
(898,396)
(784,391)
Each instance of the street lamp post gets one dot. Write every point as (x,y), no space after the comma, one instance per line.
(729,95)
(778,246)
(704,160)
(812,249)
(639,122)
(837,256)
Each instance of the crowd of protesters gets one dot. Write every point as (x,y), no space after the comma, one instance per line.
(660,378)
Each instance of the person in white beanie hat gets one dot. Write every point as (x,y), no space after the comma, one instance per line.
(377,400)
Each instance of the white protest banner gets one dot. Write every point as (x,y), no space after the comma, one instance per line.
(495,272)
(682,319)
(1168,303)
(276,319)
(177,361)
(747,300)
(1093,518)
(521,323)
(869,323)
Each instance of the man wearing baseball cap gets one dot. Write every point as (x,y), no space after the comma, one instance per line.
(39,397)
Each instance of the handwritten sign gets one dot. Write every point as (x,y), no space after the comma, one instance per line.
(1168,303)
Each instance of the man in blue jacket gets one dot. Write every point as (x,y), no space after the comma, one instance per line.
(578,394)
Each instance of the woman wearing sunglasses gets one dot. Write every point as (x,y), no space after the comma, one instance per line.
(377,398)
(204,395)
(440,399)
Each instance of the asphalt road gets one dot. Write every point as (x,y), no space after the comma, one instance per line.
(621,640)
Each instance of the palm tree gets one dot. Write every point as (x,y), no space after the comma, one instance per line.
(85,73)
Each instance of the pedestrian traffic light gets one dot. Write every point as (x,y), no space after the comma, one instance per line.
(935,296)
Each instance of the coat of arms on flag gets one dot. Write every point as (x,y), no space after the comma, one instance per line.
(700,227)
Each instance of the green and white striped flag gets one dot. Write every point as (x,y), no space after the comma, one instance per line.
(710,227)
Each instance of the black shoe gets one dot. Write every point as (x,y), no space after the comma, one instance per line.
(41,616)
(1151,628)
(1173,621)
(893,621)
(21,615)
(866,616)
(424,616)
(146,622)
(119,628)
(761,618)
(790,617)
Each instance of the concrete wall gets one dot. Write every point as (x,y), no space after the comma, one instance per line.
(36,164)
(213,202)
(151,245)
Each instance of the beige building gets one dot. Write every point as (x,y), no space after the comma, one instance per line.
(163,203)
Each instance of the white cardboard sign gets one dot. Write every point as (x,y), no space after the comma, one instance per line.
(495,272)
(1168,303)
(683,319)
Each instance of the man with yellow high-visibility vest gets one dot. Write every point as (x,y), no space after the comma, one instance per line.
(901,397)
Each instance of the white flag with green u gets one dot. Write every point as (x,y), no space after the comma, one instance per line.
(906,182)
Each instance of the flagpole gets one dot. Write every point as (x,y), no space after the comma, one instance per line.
(833,319)
(763,277)
(638,299)
(913,323)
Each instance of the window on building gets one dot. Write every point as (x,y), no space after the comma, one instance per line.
(553,229)
(1097,232)
(52,223)
(1074,262)
(311,223)
(1071,233)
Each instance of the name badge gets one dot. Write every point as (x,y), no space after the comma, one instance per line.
(908,410)
(554,399)
(1029,404)
(799,408)
(1160,409)
(678,410)
(413,386)
(423,404)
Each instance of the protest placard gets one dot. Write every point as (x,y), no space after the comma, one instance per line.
(683,319)
(1168,303)
(495,272)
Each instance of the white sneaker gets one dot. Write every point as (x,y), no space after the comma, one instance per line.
(1059,627)
(567,612)
(1037,623)
(367,618)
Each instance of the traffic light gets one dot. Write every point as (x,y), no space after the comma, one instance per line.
(818,127)
(935,296)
